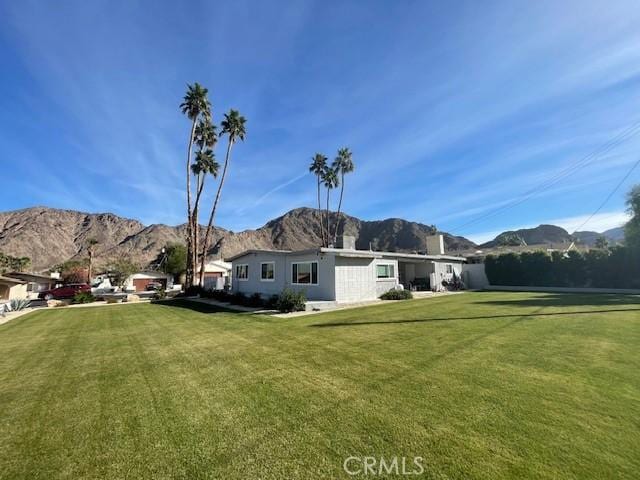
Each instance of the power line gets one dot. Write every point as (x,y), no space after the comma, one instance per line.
(611,194)
(555,179)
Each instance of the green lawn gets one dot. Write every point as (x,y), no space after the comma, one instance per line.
(481,385)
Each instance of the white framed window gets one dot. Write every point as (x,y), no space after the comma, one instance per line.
(304,273)
(386,270)
(267,271)
(242,272)
(449,268)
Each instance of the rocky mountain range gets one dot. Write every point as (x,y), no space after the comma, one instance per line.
(51,236)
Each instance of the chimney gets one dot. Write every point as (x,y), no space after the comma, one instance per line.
(346,242)
(435,245)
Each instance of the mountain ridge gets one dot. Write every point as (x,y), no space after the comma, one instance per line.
(50,236)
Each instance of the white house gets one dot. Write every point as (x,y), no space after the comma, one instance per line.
(142,281)
(340,275)
(217,274)
(35,283)
(12,289)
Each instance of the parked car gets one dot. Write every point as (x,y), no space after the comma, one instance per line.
(151,286)
(65,291)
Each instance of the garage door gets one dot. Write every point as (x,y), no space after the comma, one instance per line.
(140,284)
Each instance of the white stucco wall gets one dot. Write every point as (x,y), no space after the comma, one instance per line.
(324,290)
(474,275)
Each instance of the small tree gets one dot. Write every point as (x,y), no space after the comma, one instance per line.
(122,269)
(176,259)
(632,228)
(602,243)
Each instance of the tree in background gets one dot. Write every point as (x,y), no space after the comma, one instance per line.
(342,165)
(122,269)
(632,228)
(9,263)
(602,243)
(318,167)
(330,180)
(195,105)
(175,259)
(233,126)
(91,243)
(72,271)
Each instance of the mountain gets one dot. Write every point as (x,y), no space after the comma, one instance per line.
(552,234)
(542,234)
(51,236)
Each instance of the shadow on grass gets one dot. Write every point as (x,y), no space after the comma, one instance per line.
(194,306)
(478,317)
(567,300)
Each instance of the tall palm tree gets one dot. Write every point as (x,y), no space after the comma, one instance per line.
(233,125)
(205,137)
(195,104)
(330,180)
(318,167)
(91,243)
(342,164)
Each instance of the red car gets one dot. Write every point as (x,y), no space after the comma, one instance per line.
(65,291)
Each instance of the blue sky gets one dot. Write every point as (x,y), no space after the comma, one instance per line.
(452,109)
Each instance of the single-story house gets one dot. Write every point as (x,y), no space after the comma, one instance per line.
(139,281)
(217,274)
(342,274)
(12,288)
(35,283)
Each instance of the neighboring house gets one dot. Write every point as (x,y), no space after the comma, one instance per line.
(217,274)
(12,288)
(138,282)
(340,275)
(35,283)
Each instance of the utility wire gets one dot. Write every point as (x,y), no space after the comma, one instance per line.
(617,187)
(553,180)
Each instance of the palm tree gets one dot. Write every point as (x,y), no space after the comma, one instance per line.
(331,181)
(342,164)
(318,167)
(92,242)
(233,125)
(195,104)
(205,137)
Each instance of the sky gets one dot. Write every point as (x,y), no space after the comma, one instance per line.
(477,117)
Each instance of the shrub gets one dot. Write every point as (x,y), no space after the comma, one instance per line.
(255,300)
(397,295)
(18,304)
(291,301)
(272,302)
(194,291)
(238,298)
(160,294)
(83,297)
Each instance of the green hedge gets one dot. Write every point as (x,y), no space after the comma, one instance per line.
(615,268)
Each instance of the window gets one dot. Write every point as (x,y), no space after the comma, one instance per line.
(242,272)
(449,268)
(267,271)
(385,271)
(304,273)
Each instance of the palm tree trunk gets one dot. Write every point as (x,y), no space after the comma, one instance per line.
(328,229)
(195,229)
(320,214)
(207,235)
(189,275)
(90,266)
(335,234)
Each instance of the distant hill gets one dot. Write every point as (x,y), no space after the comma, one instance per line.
(50,236)
(540,235)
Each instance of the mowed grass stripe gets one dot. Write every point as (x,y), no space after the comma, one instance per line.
(160,391)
